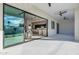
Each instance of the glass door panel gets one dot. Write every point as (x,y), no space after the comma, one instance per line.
(13,26)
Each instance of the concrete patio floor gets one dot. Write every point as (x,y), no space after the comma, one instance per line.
(45,46)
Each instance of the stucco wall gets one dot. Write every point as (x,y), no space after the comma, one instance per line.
(51,31)
(66,27)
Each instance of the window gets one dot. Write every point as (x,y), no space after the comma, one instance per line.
(52,24)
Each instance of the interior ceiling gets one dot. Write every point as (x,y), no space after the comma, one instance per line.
(34,18)
(56,8)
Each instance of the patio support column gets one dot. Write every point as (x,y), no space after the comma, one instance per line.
(77,24)
(1,26)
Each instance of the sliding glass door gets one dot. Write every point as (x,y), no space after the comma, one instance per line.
(16,24)
(13,26)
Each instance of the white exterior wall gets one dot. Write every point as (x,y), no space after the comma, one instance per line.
(66,27)
(51,31)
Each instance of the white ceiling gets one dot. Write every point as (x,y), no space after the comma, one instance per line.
(56,7)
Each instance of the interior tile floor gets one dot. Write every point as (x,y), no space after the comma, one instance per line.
(55,45)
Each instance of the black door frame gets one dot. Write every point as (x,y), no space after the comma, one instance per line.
(24,19)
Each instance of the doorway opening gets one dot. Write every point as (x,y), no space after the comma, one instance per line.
(57,28)
(35,27)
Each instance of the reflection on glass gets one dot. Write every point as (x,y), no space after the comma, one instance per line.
(13,27)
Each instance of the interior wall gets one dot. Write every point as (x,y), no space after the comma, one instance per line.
(66,27)
(35,10)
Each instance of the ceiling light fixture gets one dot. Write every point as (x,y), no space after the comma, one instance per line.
(49,4)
